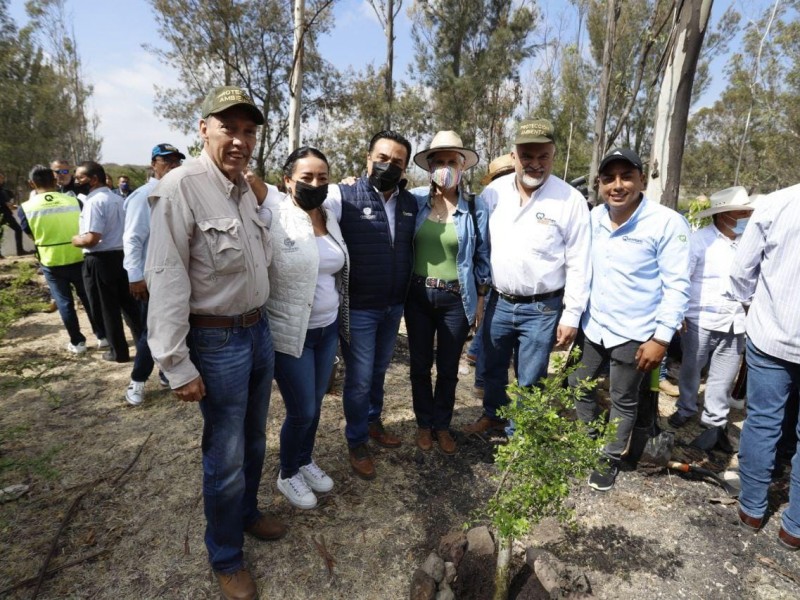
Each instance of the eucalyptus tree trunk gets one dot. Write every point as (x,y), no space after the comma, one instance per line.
(296,83)
(672,111)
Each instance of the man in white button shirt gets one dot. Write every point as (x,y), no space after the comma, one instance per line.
(714,325)
(539,234)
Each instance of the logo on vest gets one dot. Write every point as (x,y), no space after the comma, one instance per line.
(48,198)
(289,245)
(368,214)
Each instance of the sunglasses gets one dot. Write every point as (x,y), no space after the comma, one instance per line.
(61,171)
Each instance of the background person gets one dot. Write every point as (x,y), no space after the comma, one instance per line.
(713,331)
(163,158)
(450,279)
(51,218)
(308,275)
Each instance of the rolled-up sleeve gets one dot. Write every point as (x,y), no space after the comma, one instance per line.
(673,267)
(167,275)
(749,254)
(483,267)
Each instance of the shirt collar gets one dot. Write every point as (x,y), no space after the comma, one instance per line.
(224,185)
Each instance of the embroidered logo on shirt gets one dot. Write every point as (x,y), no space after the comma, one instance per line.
(627,238)
(682,238)
(542,220)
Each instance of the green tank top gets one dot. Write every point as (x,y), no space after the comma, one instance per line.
(436,251)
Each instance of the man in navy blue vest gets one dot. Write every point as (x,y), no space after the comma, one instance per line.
(377,218)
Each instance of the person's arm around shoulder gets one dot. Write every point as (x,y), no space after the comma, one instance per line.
(334,201)
(167,276)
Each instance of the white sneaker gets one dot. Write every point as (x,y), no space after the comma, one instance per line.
(297,491)
(78,348)
(316,478)
(102,343)
(135,393)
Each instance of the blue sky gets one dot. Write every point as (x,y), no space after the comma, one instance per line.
(110,35)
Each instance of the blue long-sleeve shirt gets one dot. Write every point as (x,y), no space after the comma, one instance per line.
(640,278)
(137,230)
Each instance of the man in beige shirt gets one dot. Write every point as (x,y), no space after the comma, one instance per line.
(206,271)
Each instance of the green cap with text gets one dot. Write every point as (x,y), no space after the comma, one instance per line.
(534,131)
(222,98)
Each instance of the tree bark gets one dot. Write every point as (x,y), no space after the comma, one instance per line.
(501,582)
(672,112)
(612,16)
(296,83)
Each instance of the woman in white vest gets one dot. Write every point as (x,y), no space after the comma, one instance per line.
(308,277)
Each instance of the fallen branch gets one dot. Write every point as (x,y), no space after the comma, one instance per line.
(133,462)
(61,567)
(54,544)
(323,552)
(778,569)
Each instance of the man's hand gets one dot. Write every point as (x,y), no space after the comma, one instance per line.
(565,336)
(194,391)
(348,180)
(139,290)
(649,355)
(479,313)
(257,184)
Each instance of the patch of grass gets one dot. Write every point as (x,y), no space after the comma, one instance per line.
(39,466)
(19,296)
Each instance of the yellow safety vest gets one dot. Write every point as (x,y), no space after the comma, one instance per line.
(53,220)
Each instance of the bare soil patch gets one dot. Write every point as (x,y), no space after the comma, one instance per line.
(66,431)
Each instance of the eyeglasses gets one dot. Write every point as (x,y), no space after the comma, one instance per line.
(61,171)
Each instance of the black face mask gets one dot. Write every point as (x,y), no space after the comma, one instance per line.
(385,176)
(308,196)
(82,189)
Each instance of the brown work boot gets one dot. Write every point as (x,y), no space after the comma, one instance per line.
(485,423)
(424,439)
(383,437)
(267,528)
(361,462)
(446,442)
(237,586)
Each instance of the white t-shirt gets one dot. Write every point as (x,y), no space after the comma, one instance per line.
(326,297)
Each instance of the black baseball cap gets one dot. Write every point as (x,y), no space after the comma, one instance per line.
(624,154)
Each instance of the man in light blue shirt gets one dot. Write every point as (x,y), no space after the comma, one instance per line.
(639,293)
(163,159)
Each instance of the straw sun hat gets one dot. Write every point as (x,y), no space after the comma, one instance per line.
(446,140)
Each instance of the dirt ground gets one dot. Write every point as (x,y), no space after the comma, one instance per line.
(132,477)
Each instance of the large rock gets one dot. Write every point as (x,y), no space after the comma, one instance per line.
(423,586)
(558,578)
(480,542)
(434,566)
(453,546)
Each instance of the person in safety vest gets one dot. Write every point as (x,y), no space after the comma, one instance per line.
(51,219)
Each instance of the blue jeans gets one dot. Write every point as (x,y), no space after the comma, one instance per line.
(372,336)
(236,365)
(434,313)
(303,382)
(143,361)
(724,350)
(770,381)
(61,280)
(528,329)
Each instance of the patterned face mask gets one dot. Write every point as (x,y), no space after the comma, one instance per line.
(446,178)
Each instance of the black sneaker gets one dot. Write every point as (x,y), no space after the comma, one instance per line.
(603,479)
(677,420)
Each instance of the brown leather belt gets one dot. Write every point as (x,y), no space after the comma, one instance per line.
(528,299)
(248,319)
(438,284)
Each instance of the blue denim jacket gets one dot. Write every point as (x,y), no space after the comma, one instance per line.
(473,246)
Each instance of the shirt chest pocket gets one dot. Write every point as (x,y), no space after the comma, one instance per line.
(223,236)
(542,238)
